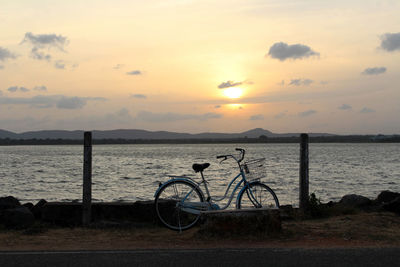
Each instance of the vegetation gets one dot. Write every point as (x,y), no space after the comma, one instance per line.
(261,139)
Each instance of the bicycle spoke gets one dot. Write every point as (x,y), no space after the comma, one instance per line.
(258,195)
(176,191)
(173,206)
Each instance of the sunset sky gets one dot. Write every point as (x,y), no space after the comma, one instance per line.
(200,66)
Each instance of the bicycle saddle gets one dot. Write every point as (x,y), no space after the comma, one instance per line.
(200,167)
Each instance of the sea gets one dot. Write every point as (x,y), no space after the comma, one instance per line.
(133,172)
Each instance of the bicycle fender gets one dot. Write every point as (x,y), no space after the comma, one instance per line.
(187,179)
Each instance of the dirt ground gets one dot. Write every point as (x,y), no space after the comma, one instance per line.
(356,230)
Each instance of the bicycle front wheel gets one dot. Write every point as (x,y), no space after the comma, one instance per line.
(257,195)
(178,204)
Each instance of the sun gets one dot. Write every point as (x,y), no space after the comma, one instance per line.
(233,92)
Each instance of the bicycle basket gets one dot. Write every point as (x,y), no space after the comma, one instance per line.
(254,169)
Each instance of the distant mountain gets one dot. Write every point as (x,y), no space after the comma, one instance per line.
(8,134)
(143,134)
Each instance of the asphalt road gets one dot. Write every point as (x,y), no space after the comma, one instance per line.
(207,257)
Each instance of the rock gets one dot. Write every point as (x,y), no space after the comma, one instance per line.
(354,200)
(9,202)
(393,205)
(387,196)
(37,209)
(28,205)
(17,218)
(230,223)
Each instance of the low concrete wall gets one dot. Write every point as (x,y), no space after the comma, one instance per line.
(70,213)
(241,222)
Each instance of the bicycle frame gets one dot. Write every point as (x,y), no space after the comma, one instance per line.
(239,184)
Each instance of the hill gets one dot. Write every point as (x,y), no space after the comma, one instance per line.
(133,134)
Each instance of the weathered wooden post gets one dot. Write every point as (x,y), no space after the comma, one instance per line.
(303,192)
(87,179)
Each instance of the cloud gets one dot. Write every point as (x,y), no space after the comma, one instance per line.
(58,101)
(134,72)
(169,116)
(217,106)
(12,89)
(16,88)
(256,117)
(298,82)
(40,88)
(307,113)
(390,41)
(345,107)
(59,64)
(5,54)
(71,103)
(228,84)
(374,71)
(367,110)
(283,51)
(23,124)
(118,66)
(281,114)
(140,96)
(24,89)
(39,55)
(42,42)
(46,40)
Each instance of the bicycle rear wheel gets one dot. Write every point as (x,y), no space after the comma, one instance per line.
(257,195)
(178,204)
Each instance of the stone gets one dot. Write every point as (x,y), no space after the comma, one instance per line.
(28,205)
(17,218)
(354,200)
(393,206)
(9,202)
(387,196)
(37,209)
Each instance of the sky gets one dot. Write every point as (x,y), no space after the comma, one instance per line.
(201,66)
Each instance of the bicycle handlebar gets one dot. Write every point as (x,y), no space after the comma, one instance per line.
(225,157)
(242,152)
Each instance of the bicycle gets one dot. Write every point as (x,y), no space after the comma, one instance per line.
(180,201)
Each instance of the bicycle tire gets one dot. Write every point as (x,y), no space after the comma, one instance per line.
(265,196)
(169,201)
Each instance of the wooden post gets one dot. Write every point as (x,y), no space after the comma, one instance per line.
(303,192)
(87,179)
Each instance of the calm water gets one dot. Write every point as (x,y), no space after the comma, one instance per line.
(133,172)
